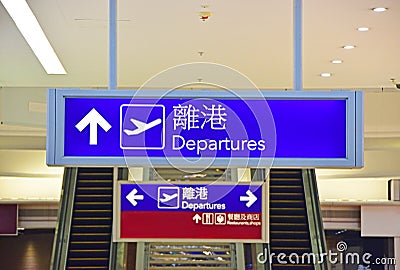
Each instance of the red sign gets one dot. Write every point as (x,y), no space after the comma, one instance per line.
(187,225)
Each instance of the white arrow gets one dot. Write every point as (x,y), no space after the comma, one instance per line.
(250,198)
(93,118)
(197,218)
(133,196)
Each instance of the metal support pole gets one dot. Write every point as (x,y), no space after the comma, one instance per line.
(298,44)
(112,65)
(394,195)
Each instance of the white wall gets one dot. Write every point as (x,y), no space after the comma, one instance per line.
(380,220)
(29,189)
(352,189)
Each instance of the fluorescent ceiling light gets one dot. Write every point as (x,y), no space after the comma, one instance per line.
(326,74)
(379,9)
(348,47)
(363,29)
(336,61)
(34,35)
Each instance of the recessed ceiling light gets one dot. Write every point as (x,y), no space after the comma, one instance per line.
(326,74)
(204,13)
(336,61)
(379,9)
(363,29)
(348,47)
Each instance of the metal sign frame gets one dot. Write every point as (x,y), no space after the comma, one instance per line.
(264,219)
(354,127)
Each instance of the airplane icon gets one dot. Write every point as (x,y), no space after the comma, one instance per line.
(141,126)
(167,197)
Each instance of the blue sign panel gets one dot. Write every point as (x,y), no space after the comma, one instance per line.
(172,128)
(282,129)
(188,197)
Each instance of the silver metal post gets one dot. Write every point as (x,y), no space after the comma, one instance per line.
(112,65)
(298,44)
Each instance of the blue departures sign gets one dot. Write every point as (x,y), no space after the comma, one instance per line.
(173,128)
(301,129)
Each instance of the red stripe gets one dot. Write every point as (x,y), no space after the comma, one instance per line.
(146,224)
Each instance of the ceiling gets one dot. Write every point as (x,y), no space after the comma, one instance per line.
(255,39)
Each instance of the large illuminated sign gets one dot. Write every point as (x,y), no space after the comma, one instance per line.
(199,128)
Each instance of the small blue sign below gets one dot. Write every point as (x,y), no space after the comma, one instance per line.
(191,197)
(207,211)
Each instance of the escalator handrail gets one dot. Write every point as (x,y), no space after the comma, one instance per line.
(64,220)
(317,234)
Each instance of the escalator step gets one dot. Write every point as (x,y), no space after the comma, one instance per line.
(287,201)
(286,194)
(87,254)
(92,226)
(94,188)
(90,238)
(285,186)
(289,216)
(92,218)
(93,211)
(289,240)
(95,181)
(90,246)
(89,259)
(290,249)
(88,250)
(89,234)
(91,230)
(292,266)
(103,203)
(80,266)
(288,232)
(83,264)
(286,209)
(94,195)
(289,235)
(289,220)
(285,171)
(92,214)
(99,172)
(303,243)
(89,242)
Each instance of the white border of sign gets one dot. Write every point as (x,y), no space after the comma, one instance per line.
(354,128)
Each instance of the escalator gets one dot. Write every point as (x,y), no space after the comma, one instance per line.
(85,220)
(210,256)
(83,235)
(295,223)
